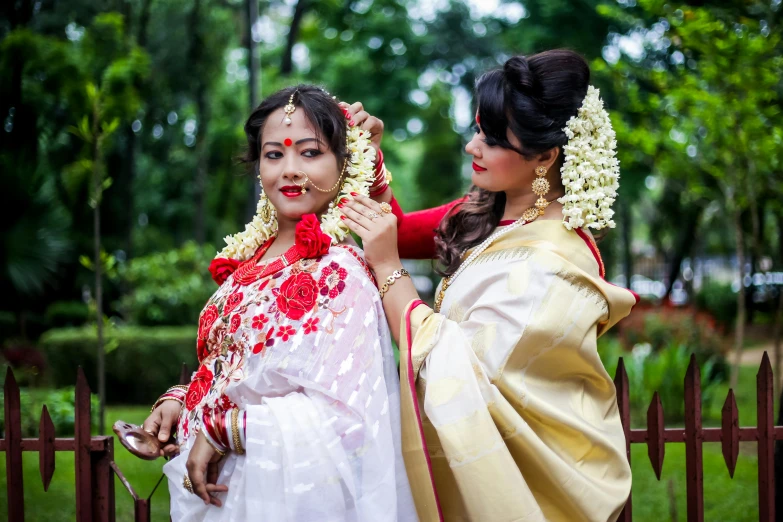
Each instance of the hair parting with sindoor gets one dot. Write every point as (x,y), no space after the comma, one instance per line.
(534,97)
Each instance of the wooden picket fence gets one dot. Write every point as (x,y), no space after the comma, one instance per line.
(95,466)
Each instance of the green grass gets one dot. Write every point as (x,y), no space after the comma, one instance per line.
(724,498)
(58,503)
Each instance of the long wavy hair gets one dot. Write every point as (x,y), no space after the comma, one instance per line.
(534,97)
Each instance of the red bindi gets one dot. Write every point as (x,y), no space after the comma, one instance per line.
(288,142)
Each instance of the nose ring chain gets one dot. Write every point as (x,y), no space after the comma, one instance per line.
(316,187)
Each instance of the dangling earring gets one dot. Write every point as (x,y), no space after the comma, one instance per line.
(540,188)
(265,210)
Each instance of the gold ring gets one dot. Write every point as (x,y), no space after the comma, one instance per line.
(187,484)
(386,208)
(372,215)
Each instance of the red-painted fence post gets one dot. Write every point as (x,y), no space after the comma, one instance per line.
(624,406)
(82,443)
(766,443)
(13,448)
(694,468)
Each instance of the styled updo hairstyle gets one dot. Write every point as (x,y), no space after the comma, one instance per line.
(534,97)
(320,109)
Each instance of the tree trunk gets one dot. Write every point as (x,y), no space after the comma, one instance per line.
(201,150)
(251,12)
(627,218)
(296,21)
(739,327)
(778,326)
(96,213)
(684,246)
(202,163)
(131,142)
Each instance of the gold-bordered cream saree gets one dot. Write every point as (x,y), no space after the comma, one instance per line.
(507,412)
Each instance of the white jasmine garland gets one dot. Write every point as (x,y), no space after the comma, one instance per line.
(590,170)
(359,176)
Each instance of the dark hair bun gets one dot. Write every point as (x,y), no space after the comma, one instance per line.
(518,74)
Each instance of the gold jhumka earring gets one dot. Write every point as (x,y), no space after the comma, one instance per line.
(540,188)
(266,211)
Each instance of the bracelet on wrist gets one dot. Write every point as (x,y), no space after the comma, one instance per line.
(175,393)
(397,274)
(237,426)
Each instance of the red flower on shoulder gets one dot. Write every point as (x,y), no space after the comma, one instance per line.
(297,295)
(199,387)
(236,321)
(310,241)
(221,268)
(232,302)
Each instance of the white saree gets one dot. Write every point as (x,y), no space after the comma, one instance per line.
(309,359)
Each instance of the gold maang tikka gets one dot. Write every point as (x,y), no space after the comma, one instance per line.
(289,109)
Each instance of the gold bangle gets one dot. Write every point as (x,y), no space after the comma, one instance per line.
(161,401)
(397,274)
(238,449)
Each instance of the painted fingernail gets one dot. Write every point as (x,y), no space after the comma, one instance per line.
(342,217)
(351,123)
(354,194)
(340,204)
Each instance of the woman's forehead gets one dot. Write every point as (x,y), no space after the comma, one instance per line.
(277,130)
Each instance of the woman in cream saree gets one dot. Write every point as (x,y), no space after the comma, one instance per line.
(507,412)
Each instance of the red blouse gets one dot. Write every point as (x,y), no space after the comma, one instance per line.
(416,230)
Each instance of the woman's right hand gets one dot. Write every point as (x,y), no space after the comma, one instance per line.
(162,422)
(365,121)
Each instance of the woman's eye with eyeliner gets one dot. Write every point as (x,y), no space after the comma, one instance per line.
(311,153)
(275,154)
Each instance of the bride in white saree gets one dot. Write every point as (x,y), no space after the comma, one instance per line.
(295,404)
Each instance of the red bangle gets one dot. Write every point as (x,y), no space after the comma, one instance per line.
(214,429)
(378,162)
(376,193)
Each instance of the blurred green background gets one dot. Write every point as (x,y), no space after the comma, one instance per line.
(121,122)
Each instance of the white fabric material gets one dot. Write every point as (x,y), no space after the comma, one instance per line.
(323,423)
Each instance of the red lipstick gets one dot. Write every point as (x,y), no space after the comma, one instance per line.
(292,191)
(478,168)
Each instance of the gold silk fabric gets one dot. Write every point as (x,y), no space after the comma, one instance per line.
(507,412)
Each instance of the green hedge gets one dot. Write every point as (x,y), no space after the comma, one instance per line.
(144,363)
(59,403)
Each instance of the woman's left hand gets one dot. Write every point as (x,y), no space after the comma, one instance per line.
(201,456)
(378,231)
